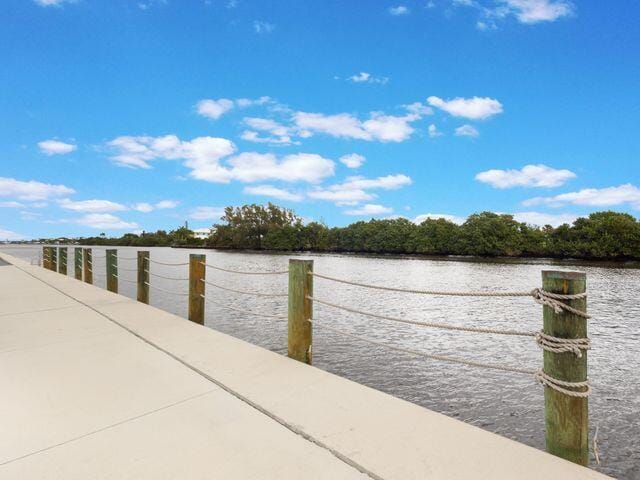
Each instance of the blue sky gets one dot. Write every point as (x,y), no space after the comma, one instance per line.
(134,115)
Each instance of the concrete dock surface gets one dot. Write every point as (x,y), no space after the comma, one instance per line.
(98,386)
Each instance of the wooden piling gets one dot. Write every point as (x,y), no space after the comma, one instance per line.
(197,271)
(53,255)
(566,417)
(300,310)
(77,263)
(45,257)
(62,260)
(112,269)
(87,265)
(143,277)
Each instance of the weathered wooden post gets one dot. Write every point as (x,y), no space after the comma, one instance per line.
(53,255)
(62,255)
(197,272)
(77,263)
(300,310)
(143,277)
(566,416)
(112,269)
(87,266)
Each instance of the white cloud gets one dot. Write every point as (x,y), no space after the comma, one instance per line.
(166,204)
(381,127)
(352,160)
(529,176)
(542,219)
(419,109)
(535,11)
(248,102)
(271,191)
(11,204)
(10,236)
(280,134)
(31,190)
(369,209)
(366,77)
(91,206)
(433,131)
(354,189)
(52,3)
(105,221)
(467,131)
(476,108)
(594,197)
(305,167)
(434,216)
(56,147)
(143,207)
(398,10)
(260,27)
(214,109)
(206,213)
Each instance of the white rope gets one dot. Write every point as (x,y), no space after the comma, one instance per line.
(561,345)
(427,324)
(167,264)
(562,386)
(242,310)
(127,280)
(255,294)
(244,273)
(165,277)
(120,257)
(166,291)
(134,270)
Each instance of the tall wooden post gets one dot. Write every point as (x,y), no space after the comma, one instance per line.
(143,277)
(88,265)
(53,255)
(197,272)
(77,263)
(300,310)
(566,417)
(45,257)
(112,270)
(62,260)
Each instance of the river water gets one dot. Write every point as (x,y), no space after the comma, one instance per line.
(509,404)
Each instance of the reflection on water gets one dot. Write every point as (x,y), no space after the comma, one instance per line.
(508,404)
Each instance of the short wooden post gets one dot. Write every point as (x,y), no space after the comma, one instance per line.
(566,417)
(87,266)
(45,257)
(197,271)
(143,277)
(53,255)
(77,263)
(111,256)
(300,310)
(62,260)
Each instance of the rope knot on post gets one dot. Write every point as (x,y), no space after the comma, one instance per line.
(573,389)
(553,300)
(561,345)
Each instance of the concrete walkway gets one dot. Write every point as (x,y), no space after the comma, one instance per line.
(97,386)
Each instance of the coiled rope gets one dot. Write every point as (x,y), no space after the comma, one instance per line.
(281,272)
(244,292)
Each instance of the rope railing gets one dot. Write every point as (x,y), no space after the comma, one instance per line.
(244,292)
(184,294)
(133,270)
(239,272)
(167,264)
(243,310)
(166,277)
(126,280)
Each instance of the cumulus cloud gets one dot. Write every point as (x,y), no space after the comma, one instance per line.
(278,133)
(366,77)
(380,127)
(214,109)
(535,11)
(467,131)
(626,194)
(56,147)
(31,190)
(105,221)
(271,191)
(369,209)
(256,167)
(52,3)
(206,213)
(398,10)
(12,204)
(433,131)
(355,189)
(166,204)
(529,176)
(352,160)
(91,206)
(475,108)
(145,207)
(262,27)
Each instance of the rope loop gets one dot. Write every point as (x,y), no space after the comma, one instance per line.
(572,389)
(561,345)
(553,300)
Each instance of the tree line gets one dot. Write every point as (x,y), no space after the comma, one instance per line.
(601,235)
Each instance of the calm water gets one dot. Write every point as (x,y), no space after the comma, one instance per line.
(508,404)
